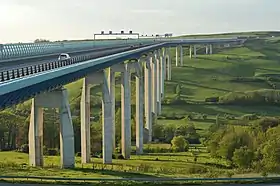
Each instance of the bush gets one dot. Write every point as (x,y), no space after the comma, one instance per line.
(179,144)
(212,99)
(249,117)
(257,97)
(120,157)
(204,116)
(114,156)
(78,154)
(24,148)
(52,152)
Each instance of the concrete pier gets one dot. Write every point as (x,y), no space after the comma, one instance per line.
(169,70)
(126,113)
(206,49)
(177,56)
(107,124)
(190,51)
(154,84)
(54,99)
(159,82)
(211,49)
(181,56)
(139,108)
(148,96)
(36,135)
(85,121)
(162,57)
(112,82)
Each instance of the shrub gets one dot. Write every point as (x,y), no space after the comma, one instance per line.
(204,116)
(78,154)
(120,157)
(52,152)
(24,148)
(114,156)
(249,117)
(179,144)
(212,99)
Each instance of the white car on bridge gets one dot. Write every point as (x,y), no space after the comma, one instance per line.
(64,56)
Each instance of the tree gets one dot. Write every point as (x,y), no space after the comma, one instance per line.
(179,144)
(271,155)
(9,128)
(243,157)
(41,40)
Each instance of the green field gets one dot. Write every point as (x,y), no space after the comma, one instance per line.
(200,78)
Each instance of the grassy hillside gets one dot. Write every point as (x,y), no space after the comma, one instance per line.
(214,76)
(236,34)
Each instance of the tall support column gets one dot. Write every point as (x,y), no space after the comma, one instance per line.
(177,57)
(211,49)
(206,49)
(148,97)
(194,51)
(164,63)
(36,135)
(112,92)
(139,108)
(85,122)
(107,124)
(162,58)
(89,80)
(190,51)
(67,152)
(155,87)
(159,83)
(169,65)
(181,56)
(55,99)
(126,113)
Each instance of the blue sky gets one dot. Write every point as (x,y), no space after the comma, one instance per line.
(26,20)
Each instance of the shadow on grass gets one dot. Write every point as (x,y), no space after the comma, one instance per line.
(272,70)
(192,83)
(206,70)
(208,120)
(114,172)
(229,109)
(175,155)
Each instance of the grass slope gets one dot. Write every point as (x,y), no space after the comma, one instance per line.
(210,75)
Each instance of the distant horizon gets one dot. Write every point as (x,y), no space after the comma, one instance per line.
(183,35)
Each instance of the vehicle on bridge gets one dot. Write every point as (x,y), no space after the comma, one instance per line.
(64,56)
